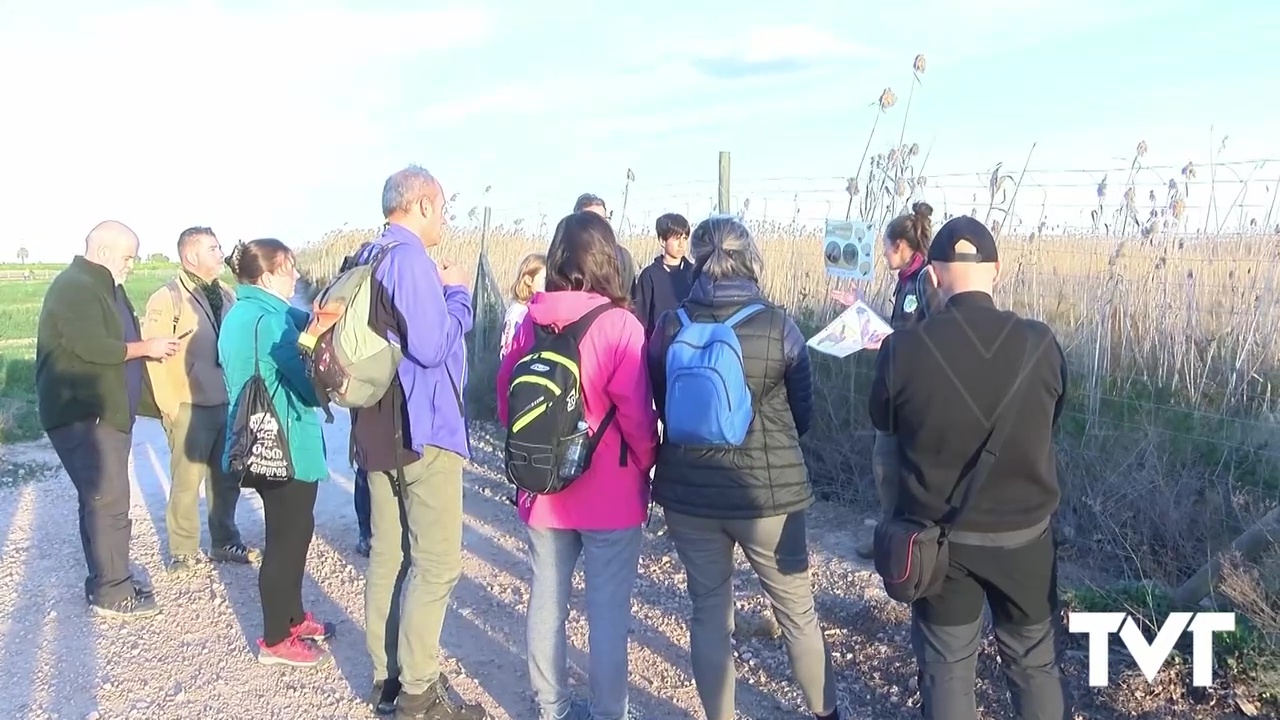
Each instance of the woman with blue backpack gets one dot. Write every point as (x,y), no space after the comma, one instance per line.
(731,380)
(915,297)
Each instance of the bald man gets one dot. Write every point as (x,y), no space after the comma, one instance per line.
(90,387)
(975,381)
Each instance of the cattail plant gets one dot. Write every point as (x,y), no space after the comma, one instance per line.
(884,103)
(1102,198)
(917,70)
(626,190)
(851,187)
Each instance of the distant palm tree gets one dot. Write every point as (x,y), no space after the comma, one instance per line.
(23,255)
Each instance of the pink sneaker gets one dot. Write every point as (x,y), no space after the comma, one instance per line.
(294,651)
(312,629)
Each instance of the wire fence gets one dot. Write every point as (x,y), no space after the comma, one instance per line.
(1168,445)
(1123,200)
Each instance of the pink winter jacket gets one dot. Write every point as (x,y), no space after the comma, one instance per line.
(607,496)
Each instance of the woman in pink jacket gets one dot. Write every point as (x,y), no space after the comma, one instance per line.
(601,514)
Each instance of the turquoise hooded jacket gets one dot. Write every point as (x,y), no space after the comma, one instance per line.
(281,365)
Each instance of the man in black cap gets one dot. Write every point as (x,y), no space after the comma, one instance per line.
(944,387)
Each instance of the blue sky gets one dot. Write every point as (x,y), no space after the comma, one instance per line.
(282,119)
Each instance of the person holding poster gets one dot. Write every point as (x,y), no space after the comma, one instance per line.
(916,296)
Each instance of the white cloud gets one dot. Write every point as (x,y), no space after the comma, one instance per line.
(171,115)
(793,42)
(509,100)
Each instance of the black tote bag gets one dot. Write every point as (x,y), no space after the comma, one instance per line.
(258,452)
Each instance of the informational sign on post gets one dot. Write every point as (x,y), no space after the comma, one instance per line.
(848,249)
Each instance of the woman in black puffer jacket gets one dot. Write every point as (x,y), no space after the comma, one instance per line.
(754,493)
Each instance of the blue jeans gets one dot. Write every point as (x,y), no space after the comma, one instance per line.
(361,496)
(610,558)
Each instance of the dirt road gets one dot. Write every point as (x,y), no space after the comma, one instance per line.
(194,660)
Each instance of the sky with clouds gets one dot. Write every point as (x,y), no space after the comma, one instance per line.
(283,118)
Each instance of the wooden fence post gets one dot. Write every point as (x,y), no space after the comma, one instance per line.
(1252,543)
(724,204)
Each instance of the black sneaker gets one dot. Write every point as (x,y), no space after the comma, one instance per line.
(138,606)
(436,704)
(384,694)
(140,589)
(236,553)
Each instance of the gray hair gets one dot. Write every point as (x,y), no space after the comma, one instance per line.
(723,247)
(405,188)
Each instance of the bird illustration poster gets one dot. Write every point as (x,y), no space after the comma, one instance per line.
(855,329)
(848,249)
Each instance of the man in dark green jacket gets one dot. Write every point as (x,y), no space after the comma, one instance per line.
(91,385)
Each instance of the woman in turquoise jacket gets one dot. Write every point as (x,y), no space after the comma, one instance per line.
(263,322)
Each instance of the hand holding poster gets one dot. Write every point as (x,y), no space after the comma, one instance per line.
(847,249)
(855,329)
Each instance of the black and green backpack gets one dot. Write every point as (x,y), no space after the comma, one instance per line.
(545,408)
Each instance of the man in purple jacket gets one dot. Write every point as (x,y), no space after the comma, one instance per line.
(413,444)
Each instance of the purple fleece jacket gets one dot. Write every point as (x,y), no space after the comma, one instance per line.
(435,320)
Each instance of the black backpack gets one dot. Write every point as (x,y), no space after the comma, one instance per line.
(258,450)
(545,409)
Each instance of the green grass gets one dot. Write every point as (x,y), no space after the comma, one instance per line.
(1250,654)
(19,312)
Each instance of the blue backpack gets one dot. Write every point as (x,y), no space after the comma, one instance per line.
(708,402)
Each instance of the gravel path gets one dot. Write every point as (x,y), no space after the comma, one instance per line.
(194,660)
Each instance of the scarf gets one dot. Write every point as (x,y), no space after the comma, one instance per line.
(212,292)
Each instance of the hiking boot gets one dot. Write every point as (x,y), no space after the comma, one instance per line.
(312,629)
(138,606)
(293,651)
(384,694)
(236,553)
(436,704)
(182,564)
(364,545)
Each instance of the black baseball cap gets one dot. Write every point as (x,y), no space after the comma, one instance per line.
(963,239)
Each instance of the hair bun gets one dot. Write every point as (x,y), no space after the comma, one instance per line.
(233,260)
(922,209)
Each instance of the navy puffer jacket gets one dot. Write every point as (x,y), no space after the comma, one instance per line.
(765,476)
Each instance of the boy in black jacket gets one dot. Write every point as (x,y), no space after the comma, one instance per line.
(666,283)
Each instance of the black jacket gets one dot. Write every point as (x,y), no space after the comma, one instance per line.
(765,476)
(660,288)
(626,269)
(915,297)
(938,386)
(80,352)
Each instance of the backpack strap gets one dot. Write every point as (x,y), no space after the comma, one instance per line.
(743,314)
(995,438)
(175,294)
(577,330)
(733,320)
